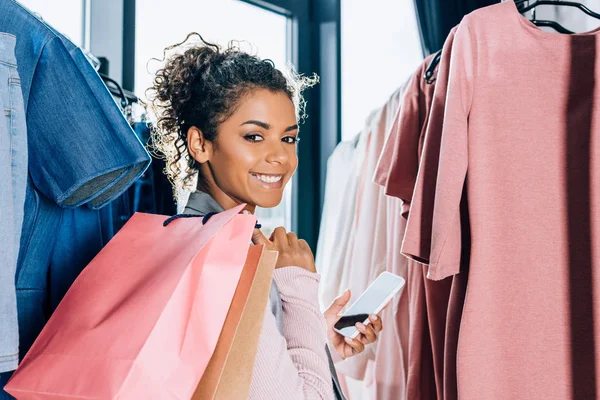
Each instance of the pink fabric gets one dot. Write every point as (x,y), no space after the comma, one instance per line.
(436,307)
(391,367)
(293,366)
(445,298)
(432,306)
(366,255)
(528,324)
(409,126)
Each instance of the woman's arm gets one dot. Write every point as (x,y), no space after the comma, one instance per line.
(293,366)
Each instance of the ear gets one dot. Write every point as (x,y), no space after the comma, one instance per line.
(199,148)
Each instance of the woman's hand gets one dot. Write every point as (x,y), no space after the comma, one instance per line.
(297,253)
(345,346)
(292,252)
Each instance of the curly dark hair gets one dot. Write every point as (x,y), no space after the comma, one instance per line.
(201,86)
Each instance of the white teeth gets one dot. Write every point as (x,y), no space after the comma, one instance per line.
(268,178)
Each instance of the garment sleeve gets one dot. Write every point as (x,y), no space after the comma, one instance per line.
(294,366)
(80,144)
(434,232)
(409,126)
(380,177)
(405,164)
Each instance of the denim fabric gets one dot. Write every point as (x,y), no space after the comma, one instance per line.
(13,175)
(91,162)
(82,151)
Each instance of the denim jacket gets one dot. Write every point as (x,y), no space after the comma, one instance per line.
(82,154)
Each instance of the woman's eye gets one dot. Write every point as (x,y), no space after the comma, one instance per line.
(291,139)
(253,138)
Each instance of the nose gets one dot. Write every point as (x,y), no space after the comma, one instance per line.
(277,153)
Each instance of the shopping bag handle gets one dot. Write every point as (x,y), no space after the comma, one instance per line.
(205,218)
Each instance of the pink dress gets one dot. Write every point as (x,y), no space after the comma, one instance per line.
(434,307)
(514,200)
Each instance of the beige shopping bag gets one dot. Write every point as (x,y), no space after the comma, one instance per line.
(229,372)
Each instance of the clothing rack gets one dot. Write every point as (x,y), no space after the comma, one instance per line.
(116,90)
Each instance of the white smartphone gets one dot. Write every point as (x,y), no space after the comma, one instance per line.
(372,301)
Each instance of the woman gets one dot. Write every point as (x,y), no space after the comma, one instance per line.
(233,119)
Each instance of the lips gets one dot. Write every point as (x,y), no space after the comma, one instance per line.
(268,181)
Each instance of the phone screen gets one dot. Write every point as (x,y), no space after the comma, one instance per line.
(376,295)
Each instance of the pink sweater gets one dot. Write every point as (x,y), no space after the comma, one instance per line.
(293,366)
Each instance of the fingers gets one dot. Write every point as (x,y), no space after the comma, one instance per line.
(342,299)
(356,345)
(292,253)
(259,238)
(368,334)
(376,322)
(292,239)
(280,236)
(334,310)
(303,244)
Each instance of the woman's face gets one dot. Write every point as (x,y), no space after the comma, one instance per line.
(254,156)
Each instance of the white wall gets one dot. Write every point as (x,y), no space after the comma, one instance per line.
(381,48)
(64,15)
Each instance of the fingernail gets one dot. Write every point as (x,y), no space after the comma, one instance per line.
(348,340)
(360,326)
(374,317)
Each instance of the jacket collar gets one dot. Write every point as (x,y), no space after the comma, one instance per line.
(201,203)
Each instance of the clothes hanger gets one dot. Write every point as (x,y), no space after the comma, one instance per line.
(525,8)
(125,96)
(115,89)
(554,25)
(542,23)
(430,71)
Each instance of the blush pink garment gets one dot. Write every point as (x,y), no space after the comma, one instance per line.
(391,370)
(397,171)
(518,179)
(366,255)
(445,298)
(435,307)
(381,367)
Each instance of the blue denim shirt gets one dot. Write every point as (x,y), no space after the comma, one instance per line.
(82,152)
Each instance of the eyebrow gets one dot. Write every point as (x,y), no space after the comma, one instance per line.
(266,126)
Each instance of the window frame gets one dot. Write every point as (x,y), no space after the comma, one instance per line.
(313,47)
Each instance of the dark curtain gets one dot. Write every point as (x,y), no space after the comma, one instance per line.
(437,18)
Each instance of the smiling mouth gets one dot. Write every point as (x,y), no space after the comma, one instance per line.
(268,181)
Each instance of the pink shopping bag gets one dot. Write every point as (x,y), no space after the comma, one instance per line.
(143,319)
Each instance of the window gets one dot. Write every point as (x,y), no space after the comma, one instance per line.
(381,48)
(67,19)
(218,21)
